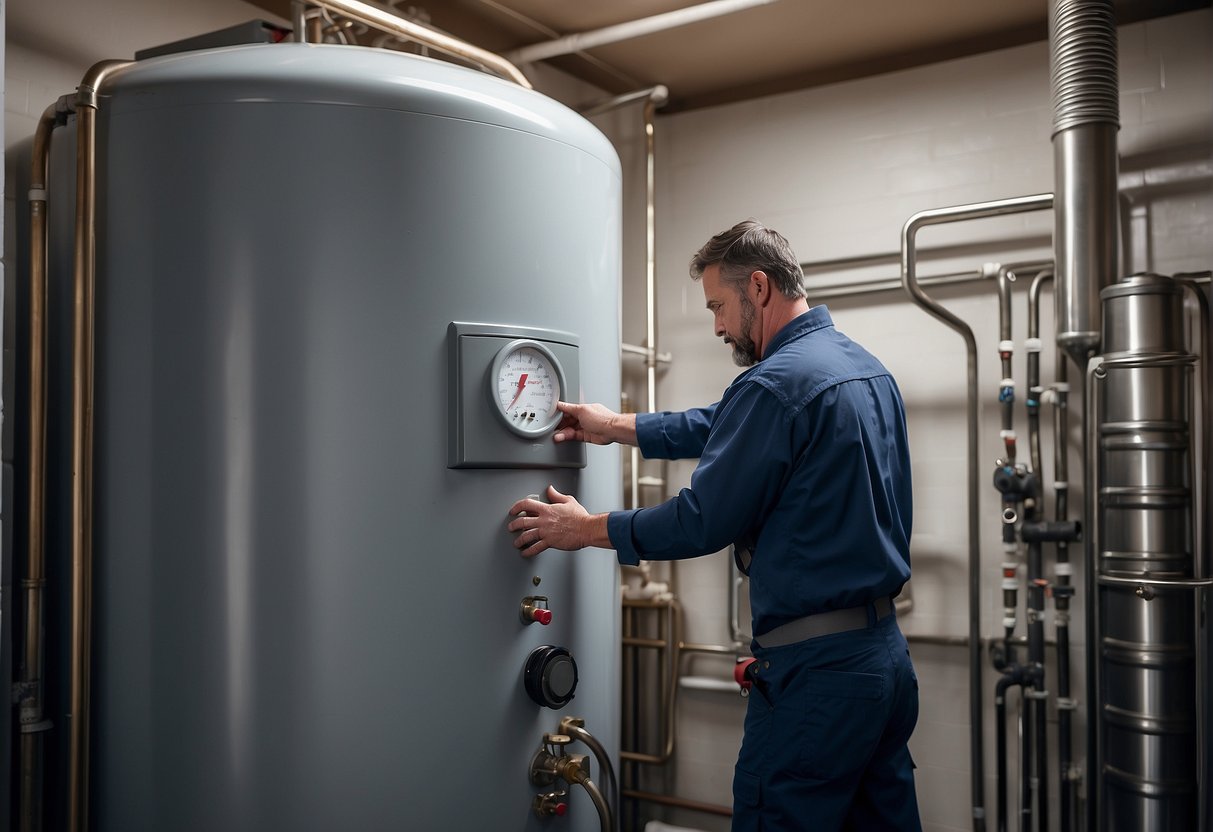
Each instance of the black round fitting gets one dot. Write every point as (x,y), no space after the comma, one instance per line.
(550,676)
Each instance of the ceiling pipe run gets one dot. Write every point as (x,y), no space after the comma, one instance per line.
(394,24)
(632,29)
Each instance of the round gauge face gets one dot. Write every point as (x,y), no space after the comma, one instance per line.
(525,383)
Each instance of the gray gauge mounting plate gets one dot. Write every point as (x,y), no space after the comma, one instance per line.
(487,431)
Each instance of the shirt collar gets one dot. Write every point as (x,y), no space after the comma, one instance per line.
(816,318)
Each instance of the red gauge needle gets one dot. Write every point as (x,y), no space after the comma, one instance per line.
(521,384)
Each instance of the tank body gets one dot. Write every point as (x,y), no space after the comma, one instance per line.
(304,619)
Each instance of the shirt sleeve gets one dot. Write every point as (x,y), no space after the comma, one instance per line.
(669,435)
(744,464)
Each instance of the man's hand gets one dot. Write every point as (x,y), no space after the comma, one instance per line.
(595,424)
(559,524)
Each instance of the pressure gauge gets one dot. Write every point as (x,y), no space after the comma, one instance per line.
(525,382)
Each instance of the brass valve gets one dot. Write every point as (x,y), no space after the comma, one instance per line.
(551,763)
(551,803)
(535,608)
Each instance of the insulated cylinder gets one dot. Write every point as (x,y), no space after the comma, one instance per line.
(305,619)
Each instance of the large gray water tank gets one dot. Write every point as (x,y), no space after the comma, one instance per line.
(305,620)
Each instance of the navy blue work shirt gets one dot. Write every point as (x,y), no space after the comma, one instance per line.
(804,462)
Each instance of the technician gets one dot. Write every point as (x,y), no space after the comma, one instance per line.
(804,468)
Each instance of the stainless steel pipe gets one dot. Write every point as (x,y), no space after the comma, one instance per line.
(909,281)
(1086,95)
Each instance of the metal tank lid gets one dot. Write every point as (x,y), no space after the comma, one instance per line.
(349,76)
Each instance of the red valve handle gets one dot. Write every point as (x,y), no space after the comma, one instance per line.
(560,809)
(542,616)
(739,675)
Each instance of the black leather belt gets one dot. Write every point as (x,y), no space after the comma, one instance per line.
(825,624)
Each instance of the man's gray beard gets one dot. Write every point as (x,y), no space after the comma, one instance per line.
(745,351)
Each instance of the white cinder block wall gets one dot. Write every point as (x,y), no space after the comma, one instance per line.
(839,170)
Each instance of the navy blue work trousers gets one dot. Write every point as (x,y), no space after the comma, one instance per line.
(825,735)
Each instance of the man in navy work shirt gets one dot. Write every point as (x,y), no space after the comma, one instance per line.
(804,468)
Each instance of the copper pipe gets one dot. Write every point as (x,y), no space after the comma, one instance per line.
(83,320)
(679,802)
(668,646)
(30,685)
(394,24)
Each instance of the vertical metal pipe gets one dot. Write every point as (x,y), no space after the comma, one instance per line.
(1205,421)
(1035,391)
(1000,753)
(909,280)
(1201,565)
(1090,444)
(29,696)
(1025,760)
(650,248)
(83,320)
(1006,348)
(1062,590)
(299,20)
(1086,116)
(82,430)
(1035,703)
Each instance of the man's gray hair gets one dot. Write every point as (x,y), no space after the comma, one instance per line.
(746,248)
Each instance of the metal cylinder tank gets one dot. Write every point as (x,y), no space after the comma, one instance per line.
(305,617)
(1148,702)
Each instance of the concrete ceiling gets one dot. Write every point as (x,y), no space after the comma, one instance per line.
(784,45)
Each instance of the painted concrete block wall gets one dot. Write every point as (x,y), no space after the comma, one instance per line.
(839,170)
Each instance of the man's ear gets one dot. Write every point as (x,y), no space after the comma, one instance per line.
(759,287)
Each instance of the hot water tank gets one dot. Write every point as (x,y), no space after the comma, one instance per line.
(307,607)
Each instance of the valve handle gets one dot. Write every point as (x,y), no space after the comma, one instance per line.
(741,677)
(535,608)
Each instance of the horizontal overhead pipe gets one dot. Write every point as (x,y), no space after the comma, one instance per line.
(659,94)
(632,29)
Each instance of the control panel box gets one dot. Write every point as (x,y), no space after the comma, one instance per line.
(503,385)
